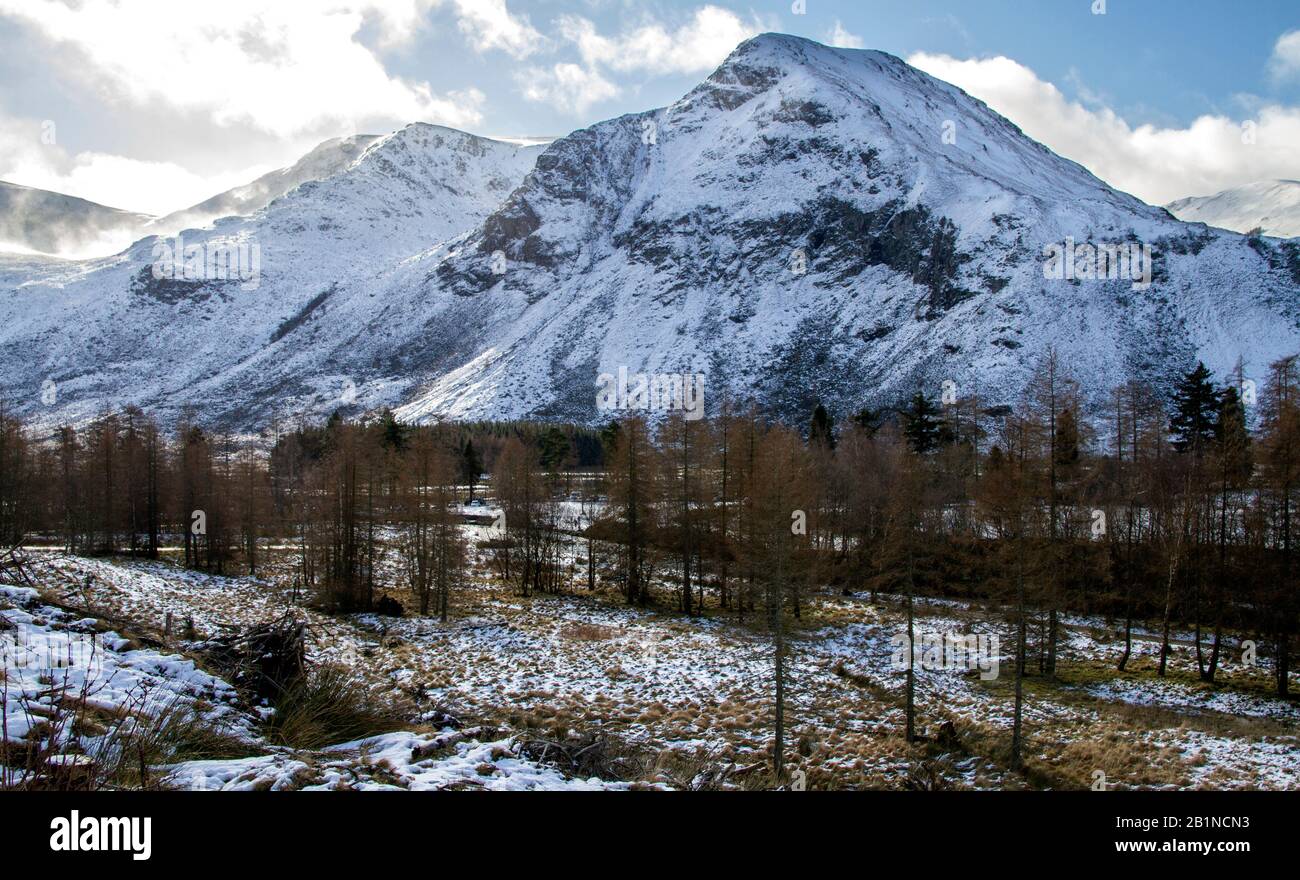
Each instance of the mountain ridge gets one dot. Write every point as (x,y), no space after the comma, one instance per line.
(1270,206)
(919,212)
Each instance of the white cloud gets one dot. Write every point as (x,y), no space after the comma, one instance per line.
(282,68)
(1154,163)
(699,45)
(568,87)
(1285,61)
(840,37)
(489,25)
(116,181)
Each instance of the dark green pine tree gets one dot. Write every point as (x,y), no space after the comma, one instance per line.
(996,460)
(394,432)
(471,465)
(609,437)
(870,420)
(1067,439)
(1196,410)
(555,448)
(822,430)
(1232,438)
(922,425)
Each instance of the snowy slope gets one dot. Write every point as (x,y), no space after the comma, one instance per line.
(40,221)
(1272,206)
(109,332)
(326,160)
(434,276)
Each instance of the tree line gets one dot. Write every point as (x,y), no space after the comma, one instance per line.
(1172,505)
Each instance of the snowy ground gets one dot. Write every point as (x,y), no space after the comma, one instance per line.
(60,664)
(700,691)
(50,655)
(390,761)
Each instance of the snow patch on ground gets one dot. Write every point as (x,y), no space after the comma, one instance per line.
(392,761)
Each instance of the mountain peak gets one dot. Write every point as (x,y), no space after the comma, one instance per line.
(786,53)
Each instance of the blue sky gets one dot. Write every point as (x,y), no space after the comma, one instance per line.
(153,106)
(1156,61)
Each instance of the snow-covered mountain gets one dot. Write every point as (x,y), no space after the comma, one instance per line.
(110,331)
(1271,206)
(35,221)
(326,160)
(921,217)
(40,221)
(808,224)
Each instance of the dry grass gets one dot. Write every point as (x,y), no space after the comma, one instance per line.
(1126,762)
(128,746)
(331,706)
(854,723)
(588,632)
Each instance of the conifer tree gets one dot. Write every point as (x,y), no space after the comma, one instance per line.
(471,465)
(1233,466)
(922,425)
(822,430)
(1196,409)
(1281,478)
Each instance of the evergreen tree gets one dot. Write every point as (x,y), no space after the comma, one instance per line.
(610,435)
(995,460)
(1280,466)
(393,432)
(1232,439)
(822,431)
(1233,467)
(555,448)
(923,426)
(1066,446)
(869,420)
(471,465)
(1196,410)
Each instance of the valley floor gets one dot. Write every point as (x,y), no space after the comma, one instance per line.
(505,693)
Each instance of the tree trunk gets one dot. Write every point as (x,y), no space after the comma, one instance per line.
(1169,604)
(1017,734)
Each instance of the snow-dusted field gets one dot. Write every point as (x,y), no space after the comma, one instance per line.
(55,662)
(683,692)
